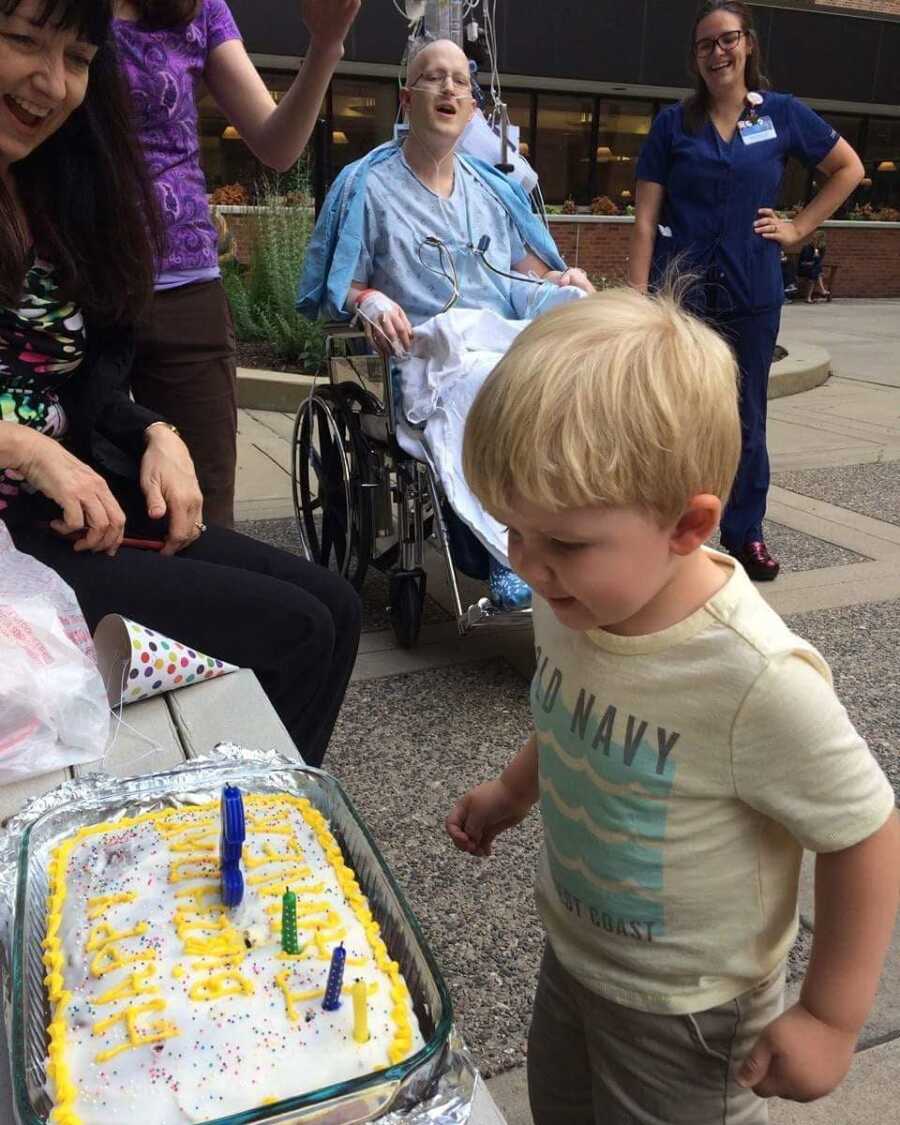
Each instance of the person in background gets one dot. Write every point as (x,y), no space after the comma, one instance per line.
(81,464)
(185,361)
(687,746)
(226,245)
(809,267)
(707,182)
(788,276)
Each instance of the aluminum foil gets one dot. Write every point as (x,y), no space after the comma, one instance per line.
(443,1097)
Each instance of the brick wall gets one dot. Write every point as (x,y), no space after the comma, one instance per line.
(881,7)
(868,261)
(867,254)
(599,248)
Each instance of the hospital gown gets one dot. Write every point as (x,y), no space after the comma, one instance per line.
(401,213)
(452,353)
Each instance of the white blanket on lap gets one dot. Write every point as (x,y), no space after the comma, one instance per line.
(451,356)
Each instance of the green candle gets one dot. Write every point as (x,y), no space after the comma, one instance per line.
(289,922)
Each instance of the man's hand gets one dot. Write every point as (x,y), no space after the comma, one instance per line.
(798,1057)
(482,814)
(170,485)
(573,276)
(386,324)
(328,21)
(84,496)
(770,226)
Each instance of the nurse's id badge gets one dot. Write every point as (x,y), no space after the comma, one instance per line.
(757,129)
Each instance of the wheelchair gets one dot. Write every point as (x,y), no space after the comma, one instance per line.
(361,499)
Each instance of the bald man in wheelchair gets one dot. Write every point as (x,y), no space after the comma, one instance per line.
(442,260)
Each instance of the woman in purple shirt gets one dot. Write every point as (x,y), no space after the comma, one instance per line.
(185,365)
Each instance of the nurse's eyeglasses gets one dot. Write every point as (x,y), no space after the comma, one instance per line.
(703,48)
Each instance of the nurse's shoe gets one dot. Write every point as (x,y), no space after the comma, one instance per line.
(756,560)
(508,591)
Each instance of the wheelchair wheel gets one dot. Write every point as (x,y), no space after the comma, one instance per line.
(331,486)
(407,593)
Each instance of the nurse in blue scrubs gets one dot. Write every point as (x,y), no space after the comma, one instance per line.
(708,178)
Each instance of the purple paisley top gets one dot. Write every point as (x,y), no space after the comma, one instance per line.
(161,69)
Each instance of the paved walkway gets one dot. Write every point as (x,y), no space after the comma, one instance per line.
(836,459)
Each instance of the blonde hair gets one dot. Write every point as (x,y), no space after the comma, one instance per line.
(619,400)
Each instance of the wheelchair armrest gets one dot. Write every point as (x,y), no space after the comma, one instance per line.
(338,327)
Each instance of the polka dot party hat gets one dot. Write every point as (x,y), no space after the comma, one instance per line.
(137,662)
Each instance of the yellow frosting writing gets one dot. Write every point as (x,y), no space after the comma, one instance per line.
(154,1033)
(221,984)
(135,984)
(97,907)
(110,958)
(291,999)
(103,933)
(251,862)
(192,867)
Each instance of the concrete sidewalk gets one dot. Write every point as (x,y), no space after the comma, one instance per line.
(836,472)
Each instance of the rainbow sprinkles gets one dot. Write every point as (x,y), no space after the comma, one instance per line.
(168,1006)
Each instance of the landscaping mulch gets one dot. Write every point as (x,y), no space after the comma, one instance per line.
(259,354)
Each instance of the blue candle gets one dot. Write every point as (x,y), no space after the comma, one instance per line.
(332,1000)
(231,843)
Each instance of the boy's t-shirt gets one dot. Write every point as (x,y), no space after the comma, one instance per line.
(681,775)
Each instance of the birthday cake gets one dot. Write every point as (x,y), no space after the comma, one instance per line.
(169,1006)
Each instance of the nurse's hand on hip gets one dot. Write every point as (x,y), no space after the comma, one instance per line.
(784,231)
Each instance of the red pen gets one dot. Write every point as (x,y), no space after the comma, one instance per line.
(136,543)
(142,544)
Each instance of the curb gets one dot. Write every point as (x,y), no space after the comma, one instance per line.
(805,366)
(271,390)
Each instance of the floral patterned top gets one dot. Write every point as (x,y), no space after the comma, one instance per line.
(41,343)
(162,69)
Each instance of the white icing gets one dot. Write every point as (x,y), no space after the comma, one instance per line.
(230,1053)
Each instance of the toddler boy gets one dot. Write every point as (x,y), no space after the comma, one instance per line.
(687,747)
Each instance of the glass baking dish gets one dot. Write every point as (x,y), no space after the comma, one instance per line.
(343,1103)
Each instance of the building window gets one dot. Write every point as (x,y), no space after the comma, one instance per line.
(225,158)
(800,183)
(363,116)
(518,106)
(622,129)
(849,128)
(563,149)
(881,158)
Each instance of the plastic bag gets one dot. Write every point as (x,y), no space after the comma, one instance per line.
(53,706)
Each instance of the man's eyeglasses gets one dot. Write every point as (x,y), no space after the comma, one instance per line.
(437,80)
(728,40)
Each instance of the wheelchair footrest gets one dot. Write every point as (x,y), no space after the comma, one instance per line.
(484,611)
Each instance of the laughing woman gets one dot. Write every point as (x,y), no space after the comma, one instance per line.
(708,179)
(79,461)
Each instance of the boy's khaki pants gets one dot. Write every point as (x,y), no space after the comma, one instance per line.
(593,1062)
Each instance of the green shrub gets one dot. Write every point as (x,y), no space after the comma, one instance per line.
(262,297)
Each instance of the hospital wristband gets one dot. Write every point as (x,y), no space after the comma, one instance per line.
(363,293)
